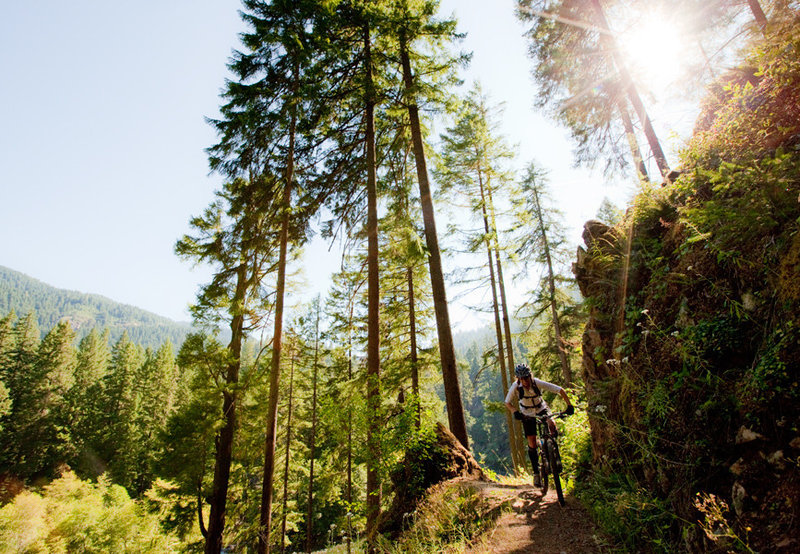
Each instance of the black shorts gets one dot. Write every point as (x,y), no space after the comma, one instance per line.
(529,424)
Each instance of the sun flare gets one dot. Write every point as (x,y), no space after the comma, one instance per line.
(654,49)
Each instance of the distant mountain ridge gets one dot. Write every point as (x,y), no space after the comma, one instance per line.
(23,294)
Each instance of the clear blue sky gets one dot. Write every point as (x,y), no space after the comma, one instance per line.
(101,152)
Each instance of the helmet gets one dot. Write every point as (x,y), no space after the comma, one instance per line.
(522,370)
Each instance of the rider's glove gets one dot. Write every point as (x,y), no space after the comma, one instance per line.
(570,410)
(519,416)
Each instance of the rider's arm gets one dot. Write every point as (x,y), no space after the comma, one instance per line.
(510,398)
(554,388)
(563,394)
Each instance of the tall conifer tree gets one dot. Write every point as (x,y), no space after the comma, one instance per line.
(235,238)
(414,20)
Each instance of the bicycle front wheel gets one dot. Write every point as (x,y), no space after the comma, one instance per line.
(555,468)
(543,467)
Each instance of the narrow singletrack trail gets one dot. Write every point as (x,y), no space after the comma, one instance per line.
(538,524)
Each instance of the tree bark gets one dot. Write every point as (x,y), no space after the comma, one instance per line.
(506,319)
(452,389)
(758,13)
(265,520)
(413,335)
(313,446)
(638,160)
(566,370)
(607,38)
(512,435)
(373,310)
(288,451)
(349,424)
(224,441)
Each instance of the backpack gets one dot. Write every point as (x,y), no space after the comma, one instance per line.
(521,391)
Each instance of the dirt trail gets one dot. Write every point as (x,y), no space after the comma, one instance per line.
(538,524)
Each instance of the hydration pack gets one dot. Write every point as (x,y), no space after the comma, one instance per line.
(536,394)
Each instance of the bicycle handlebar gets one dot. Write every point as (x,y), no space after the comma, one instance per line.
(556,415)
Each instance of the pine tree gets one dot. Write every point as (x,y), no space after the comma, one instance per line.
(234,236)
(21,382)
(471,168)
(291,354)
(584,78)
(120,408)
(543,241)
(413,21)
(6,349)
(270,119)
(85,398)
(156,383)
(188,454)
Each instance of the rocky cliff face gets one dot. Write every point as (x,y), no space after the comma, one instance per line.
(691,355)
(691,372)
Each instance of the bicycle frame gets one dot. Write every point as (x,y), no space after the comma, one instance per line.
(550,457)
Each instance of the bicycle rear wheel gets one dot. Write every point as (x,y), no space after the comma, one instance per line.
(555,468)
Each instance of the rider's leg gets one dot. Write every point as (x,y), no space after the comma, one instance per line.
(532,455)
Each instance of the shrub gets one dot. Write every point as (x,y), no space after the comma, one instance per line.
(70,515)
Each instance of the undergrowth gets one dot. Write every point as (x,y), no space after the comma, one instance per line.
(711,335)
(448,520)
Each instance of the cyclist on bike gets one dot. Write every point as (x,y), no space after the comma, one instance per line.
(530,404)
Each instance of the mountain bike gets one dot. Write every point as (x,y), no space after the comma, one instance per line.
(549,456)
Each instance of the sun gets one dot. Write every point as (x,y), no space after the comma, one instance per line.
(654,49)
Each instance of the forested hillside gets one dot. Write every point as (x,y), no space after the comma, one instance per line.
(83,311)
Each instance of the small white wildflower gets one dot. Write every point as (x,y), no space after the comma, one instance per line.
(625,360)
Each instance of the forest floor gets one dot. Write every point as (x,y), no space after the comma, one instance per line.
(538,523)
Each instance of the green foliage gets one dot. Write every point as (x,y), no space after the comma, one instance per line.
(448,520)
(427,458)
(575,443)
(70,515)
(709,337)
(638,520)
(773,377)
(736,209)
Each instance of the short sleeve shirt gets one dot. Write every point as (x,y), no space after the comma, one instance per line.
(531,404)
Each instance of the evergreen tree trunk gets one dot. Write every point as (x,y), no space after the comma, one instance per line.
(758,13)
(452,390)
(288,451)
(521,454)
(373,310)
(566,370)
(512,435)
(633,95)
(413,336)
(274,381)
(638,161)
(349,424)
(312,449)
(222,465)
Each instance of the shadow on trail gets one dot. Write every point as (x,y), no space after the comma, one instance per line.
(553,528)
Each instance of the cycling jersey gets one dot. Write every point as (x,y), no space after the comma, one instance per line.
(531,402)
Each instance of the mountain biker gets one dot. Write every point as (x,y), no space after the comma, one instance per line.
(530,403)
